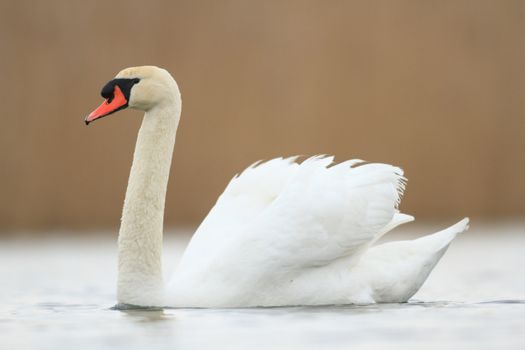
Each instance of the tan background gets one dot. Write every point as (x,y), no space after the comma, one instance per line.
(437,87)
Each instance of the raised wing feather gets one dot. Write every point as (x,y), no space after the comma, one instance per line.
(245,197)
(326,213)
(281,215)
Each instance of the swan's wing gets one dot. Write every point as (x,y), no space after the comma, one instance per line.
(281,214)
(327,213)
(249,193)
(246,196)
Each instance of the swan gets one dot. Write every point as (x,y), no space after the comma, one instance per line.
(282,233)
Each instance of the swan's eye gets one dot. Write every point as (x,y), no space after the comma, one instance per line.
(123,83)
(107,90)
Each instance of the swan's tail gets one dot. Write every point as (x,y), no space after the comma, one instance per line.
(395,271)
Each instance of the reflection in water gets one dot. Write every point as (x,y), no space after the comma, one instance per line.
(146,315)
(142,313)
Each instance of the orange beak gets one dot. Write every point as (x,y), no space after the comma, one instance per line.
(109,106)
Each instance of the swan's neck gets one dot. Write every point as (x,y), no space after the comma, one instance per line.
(140,279)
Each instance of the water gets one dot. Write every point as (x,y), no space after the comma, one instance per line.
(58,292)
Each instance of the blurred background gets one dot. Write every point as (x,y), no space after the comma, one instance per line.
(436,87)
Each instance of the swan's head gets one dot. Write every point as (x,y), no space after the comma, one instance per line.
(142,88)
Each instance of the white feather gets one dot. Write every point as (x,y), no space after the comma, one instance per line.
(287,233)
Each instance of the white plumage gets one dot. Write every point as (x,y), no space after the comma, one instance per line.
(282,233)
(285,233)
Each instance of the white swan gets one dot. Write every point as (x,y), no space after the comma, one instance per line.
(282,233)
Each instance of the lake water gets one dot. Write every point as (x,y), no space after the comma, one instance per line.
(57,292)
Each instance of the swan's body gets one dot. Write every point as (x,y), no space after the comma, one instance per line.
(282,233)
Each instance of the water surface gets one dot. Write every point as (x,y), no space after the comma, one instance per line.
(57,292)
